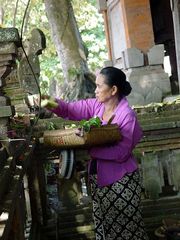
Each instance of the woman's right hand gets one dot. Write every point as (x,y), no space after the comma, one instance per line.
(48,102)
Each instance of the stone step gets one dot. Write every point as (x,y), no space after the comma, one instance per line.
(69,230)
(156,148)
(149,208)
(160,201)
(160,119)
(159,142)
(163,115)
(163,201)
(153,213)
(157,109)
(78,217)
(76,223)
(69,236)
(160,136)
(78,229)
(161,212)
(71,223)
(153,222)
(78,236)
(160,125)
(161,207)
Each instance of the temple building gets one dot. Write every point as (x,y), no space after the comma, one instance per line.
(143,40)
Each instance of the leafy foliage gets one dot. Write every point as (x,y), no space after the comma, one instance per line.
(91,27)
(50,126)
(85,125)
(90,24)
(92,122)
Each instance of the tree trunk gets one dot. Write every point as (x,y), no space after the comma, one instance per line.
(1,16)
(15,13)
(78,81)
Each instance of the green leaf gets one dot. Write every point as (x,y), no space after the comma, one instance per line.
(92,122)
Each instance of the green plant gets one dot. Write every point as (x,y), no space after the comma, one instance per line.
(92,122)
(50,126)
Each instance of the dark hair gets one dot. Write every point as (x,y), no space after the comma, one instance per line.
(114,76)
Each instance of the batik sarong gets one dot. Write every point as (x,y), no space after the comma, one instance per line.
(116,210)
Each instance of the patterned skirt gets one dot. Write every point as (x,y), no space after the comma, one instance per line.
(116,211)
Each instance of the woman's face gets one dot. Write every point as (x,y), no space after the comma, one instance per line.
(103,92)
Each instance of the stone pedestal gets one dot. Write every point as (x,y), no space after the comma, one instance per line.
(149,84)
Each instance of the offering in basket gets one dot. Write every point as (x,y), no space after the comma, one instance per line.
(86,134)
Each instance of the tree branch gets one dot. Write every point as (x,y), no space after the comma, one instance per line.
(15,13)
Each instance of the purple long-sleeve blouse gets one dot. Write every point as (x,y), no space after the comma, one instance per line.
(113,161)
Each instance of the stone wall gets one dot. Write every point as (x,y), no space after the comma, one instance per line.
(159,150)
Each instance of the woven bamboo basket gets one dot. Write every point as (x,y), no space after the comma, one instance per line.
(68,138)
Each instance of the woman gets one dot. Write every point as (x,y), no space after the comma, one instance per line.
(113,170)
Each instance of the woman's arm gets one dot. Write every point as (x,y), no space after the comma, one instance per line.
(77,110)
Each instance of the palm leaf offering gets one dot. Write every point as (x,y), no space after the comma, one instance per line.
(92,122)
(85,125)
(49,103)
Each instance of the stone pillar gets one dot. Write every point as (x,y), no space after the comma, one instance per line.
(9,42)
(175,7)
(133,50)
(29,71)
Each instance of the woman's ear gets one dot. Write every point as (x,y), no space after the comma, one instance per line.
(114,90)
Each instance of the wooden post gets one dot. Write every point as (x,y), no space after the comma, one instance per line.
(37,189)
(102,8)
(42,185)
(27,199)
(34,192)
(106,24)
(18,224)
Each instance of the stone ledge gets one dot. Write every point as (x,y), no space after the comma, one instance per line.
(10,35)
